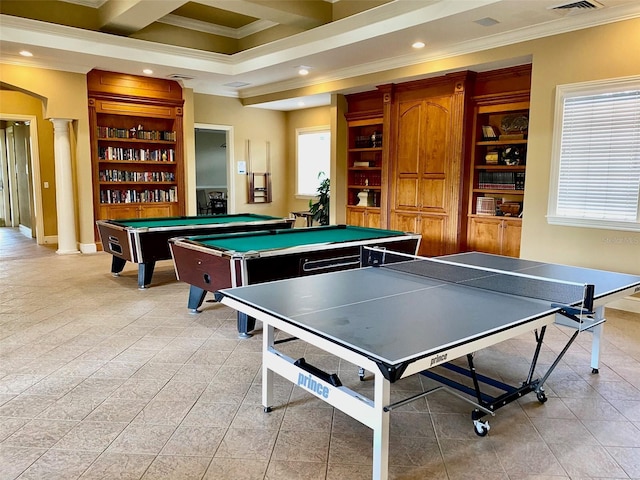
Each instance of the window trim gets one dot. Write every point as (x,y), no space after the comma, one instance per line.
(304,130)
(575,90)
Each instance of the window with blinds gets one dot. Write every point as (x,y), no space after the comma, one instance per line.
(596,161)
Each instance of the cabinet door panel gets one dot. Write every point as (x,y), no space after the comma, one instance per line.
(115,212)
(408,153)
(355,217)
(511,238)
(484,235)
(163,210)
(435,137)
(407,192)
(432,192)
(432,230)
(404,222)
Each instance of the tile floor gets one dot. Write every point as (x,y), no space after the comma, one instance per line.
(100,380)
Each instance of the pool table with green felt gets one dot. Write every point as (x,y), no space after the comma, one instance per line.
(212,262)
(145,240)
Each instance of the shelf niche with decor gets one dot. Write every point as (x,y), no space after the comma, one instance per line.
(136,134)
(366,169)
(498,172)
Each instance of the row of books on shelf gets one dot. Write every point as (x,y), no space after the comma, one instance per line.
(139,196)
(501,180)
(113,175)
(139,154)
(366,178)
(136,133)
(369,141)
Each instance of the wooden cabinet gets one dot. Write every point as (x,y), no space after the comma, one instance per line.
(497,173)
(495,235)
(363,217)
(428,163)
(136,135)
(366,170)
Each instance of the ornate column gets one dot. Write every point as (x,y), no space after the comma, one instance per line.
(65,209)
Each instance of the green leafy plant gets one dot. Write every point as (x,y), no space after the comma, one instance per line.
(320,208)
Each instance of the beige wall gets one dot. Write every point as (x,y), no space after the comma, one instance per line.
(310,117)
(605,52)
(64,95)
(258,126)
(18,103)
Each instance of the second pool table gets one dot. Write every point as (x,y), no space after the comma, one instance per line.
(145,240)
(213,262)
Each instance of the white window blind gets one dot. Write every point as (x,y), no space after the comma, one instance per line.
(598,160)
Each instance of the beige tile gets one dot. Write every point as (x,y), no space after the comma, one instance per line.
(307,419)
(614,434)
(71,407)
(201,441)
(90,436)
(254,444)
(59,465)
(15,460)
(236,469)
(586,461)
(291,470)
(301,446)
(627,458)
(211,414)
(555,430)
(118,466)
(159,412)
(166,467)
(40,433)
(142,438)
(117,410)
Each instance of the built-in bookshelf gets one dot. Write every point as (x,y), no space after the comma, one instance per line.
(136,146)
(365,185)
(498,172)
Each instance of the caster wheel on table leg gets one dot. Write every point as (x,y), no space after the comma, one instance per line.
(267,409)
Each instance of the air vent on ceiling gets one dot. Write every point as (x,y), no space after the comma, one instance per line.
(179,76)
(579,6)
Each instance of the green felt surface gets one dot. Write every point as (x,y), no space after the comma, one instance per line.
(278,239)
(187,221)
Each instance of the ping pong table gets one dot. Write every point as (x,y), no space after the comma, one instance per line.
(401,315)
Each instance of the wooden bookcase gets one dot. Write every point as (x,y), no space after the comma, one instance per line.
(365,170)
(497,172)
(136,134)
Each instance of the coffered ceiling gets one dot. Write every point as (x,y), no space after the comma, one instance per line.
(253,49)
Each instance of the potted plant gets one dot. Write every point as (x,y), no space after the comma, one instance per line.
(320,209)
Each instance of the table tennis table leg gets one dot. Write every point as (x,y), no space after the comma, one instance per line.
(382,396)
(597,331)
(268,336)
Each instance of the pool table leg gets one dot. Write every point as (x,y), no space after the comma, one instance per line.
(196,297)
(117,264)
(145,272)
(245,325)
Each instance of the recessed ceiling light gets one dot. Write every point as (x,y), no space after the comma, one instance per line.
(418,45)
(303,70)
(26,53)
(147,71)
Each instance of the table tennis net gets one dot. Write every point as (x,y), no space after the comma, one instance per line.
(513,283)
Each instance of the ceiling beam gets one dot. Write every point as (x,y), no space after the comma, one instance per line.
(305,15)
(128,16)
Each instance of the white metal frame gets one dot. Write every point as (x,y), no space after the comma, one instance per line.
(370,412)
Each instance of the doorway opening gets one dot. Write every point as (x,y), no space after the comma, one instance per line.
(20,176)
(214,158)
